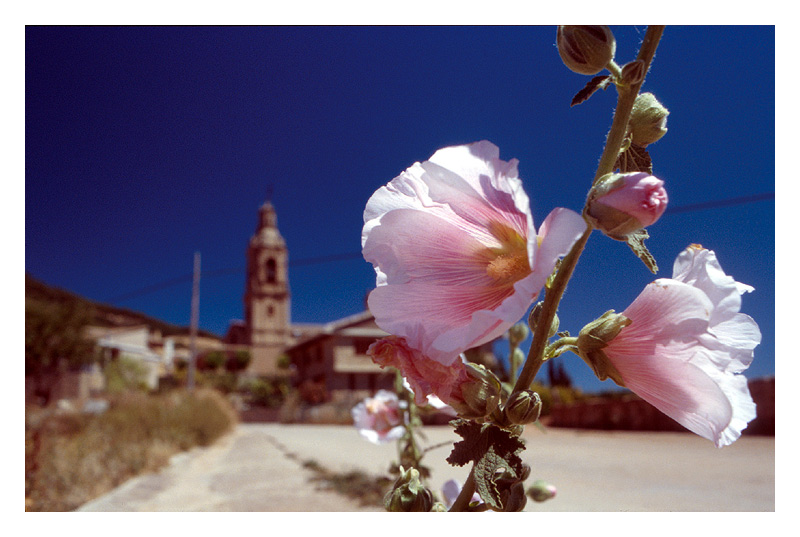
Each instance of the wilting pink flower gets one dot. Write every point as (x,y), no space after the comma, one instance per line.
(687,346)
(427,377)
(379,419)
(641,196)
(457,258)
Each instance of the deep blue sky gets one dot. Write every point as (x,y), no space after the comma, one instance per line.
(144,145)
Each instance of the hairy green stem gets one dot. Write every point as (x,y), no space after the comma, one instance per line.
(614,140)
(465,496)
(626,98)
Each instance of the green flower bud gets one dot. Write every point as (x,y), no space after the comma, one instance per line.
(633,72)
(523,408)
(408,494)
(594,337)
(541,491)
(533,320)
(480,395)
(517,334)
(587,50)
(514,499)
(648,122)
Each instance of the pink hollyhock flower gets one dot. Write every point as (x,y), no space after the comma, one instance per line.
(425,376)
(379,419)
(641,196)
(626,202)
(457,258)
(687,345)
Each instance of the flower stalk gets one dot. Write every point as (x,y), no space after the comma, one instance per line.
(614,140)
(626,98)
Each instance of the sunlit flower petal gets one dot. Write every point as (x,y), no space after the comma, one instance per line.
(687,344)
(456,255)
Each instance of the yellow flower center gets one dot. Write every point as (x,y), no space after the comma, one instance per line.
(509,263)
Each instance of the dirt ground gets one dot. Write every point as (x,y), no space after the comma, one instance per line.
(258,467)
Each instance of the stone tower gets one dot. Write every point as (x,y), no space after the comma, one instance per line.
(266,297)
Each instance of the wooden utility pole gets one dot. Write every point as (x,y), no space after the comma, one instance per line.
(194,321)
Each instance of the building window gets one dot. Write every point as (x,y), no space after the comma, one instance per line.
(361,345)
(271,271)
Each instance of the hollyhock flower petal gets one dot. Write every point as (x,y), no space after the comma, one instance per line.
(678,355)
(379,419)
(456,255)
(427,377)
(642,197)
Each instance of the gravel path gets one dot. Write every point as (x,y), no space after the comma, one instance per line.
(258,467)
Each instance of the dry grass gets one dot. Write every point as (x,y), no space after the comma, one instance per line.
(73,458)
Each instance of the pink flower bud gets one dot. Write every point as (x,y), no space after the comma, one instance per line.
(623,203)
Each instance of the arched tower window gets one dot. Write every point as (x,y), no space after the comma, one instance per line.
(272,271)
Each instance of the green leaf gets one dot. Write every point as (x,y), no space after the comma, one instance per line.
(487,469)
(495,452)
(596,83)
(636,241)
(634,159)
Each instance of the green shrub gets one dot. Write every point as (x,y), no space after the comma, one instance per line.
(214,360)
(72,459)
(124,374)
(238,361)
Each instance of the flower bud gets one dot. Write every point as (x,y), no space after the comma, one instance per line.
(480,395)
(523,408)
(633,72)
(533,320)
(621,203)
(586,49)
(408,494)
(517,334)
(541,491)
(514,499)
(594,337)
(648,122)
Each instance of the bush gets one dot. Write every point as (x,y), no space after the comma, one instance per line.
(238,361)
(214,360)
(72,459)
(267,392)
(123,374)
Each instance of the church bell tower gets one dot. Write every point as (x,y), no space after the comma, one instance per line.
(266,297)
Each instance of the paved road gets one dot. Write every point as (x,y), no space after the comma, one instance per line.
(258,467)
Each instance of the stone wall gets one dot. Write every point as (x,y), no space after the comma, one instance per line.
(631,413)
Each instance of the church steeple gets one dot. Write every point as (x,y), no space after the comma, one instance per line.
(266,299)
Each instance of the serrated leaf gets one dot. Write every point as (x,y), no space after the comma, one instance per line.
(495,452)
(636,241)
(478,438)
(634,159)
(486,471)
(596,83)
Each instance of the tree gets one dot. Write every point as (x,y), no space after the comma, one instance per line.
(55,341)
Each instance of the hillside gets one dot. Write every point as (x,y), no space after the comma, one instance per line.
(103,314)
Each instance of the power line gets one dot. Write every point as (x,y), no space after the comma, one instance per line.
(722,203)
(354,255)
